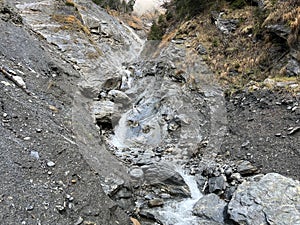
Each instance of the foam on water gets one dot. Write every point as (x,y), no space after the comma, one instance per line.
(180,212)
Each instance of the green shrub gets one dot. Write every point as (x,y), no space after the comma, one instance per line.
(156,32)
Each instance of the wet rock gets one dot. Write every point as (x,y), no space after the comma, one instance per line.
(147,215)
(162,174)
(201,182)
(216,184)
(210,207)
(246,168)
(179,191)
(259,201)
(155,202)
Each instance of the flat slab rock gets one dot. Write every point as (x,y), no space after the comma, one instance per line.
(270,199)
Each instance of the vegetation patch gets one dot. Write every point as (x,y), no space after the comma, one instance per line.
(70,22)
(70,3)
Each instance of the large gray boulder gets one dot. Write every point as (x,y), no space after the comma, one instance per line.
(270,199)
(210,207)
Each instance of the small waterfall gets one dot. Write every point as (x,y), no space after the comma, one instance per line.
(180,212)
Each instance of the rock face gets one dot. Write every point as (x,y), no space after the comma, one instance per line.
(271,199)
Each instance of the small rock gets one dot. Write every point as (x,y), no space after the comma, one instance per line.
(38,130)
(147,215)
(294,130)
(124,193)
(34,154)
(60,208)
(19,80)
(135,221)
(50,164)
(69,197)
(165,196)
(237,177)
(228,171)
(27,138)
(53,108)
(136,173)
(216,184)
(155,203)
(246,168)
(245,144)
(201,50)
(30,207)
(79,221)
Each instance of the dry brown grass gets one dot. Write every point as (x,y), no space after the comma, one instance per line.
(70,22)
(70,3)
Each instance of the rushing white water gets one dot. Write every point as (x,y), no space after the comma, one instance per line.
(180,212)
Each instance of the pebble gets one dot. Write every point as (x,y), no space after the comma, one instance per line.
(236,176)
(73,181)
(30,207)
(50,164)
(69,197)
(27,138)
(136,173)
(38,130)
(293,130)
(34,154)
(228,171)
(19,80)
(79,221)
(60,208)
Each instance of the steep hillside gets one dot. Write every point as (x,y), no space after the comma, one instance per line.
(244,42)
(99,126)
